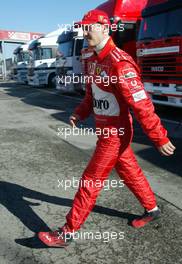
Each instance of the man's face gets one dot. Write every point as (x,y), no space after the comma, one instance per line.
(94,33)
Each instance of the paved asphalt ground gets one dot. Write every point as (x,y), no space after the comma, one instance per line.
(33,162)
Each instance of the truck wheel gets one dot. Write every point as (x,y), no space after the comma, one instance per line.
(52,81)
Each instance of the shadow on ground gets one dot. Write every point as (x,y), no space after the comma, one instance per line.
(12,197)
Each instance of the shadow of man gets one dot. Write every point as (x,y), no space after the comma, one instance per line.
(12,197)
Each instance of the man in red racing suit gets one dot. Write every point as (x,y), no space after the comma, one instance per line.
(113,88)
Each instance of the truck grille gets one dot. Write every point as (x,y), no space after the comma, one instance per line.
(30,71)
(160,68)
(160,98)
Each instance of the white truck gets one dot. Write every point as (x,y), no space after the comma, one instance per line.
(68,61)
(42,68)
(21,60)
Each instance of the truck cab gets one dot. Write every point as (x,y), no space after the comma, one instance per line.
(159,51)
(68,60)
(42,66)
(21,60)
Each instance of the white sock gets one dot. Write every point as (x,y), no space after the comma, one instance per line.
(154,209)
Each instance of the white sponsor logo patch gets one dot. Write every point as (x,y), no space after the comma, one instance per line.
(139,96)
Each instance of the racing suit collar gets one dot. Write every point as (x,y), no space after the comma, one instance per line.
(106,49)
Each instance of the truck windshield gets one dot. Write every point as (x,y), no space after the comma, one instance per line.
(162,25)
(37,54)
(66,48)
(46,53)
(175,25)
(42,53)
(121,37)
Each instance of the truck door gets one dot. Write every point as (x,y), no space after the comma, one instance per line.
(77,56)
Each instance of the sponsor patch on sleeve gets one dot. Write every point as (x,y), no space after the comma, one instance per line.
(129,73)
(132,79)
(139,96)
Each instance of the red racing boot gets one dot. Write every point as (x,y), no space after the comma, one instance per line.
(146,218)
(57,238)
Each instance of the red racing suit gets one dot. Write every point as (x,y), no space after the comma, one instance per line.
(110,102)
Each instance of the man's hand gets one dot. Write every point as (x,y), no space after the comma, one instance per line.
(73,120)
(167,149)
